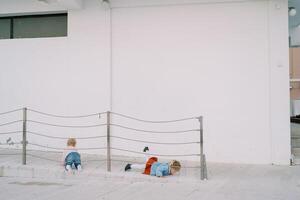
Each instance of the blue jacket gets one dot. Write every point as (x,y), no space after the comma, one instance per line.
(160,169)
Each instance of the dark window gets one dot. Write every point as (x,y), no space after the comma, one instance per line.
(34,26)
(5,28)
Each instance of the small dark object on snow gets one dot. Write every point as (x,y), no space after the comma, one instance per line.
(127,167)
(146,149)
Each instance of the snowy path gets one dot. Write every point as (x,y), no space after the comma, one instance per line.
(241,182)
(45,180)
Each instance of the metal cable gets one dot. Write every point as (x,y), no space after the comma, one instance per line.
(190,167)
(149,121)
(45,151)
(12,122)
(65,138)
(139,162)
(87,160)
(164,143)
(64,116)
(10,144)
(11,132)
(94,160)
(10,154)
(40,157)
(43,158)
(136,162)
(66,126)
(150,131)
(56,148)
(137,152)
(11,111)
(1,148)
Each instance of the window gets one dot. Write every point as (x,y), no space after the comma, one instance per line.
(34,26)
(4,28)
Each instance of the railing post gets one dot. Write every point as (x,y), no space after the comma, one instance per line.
(24,142)
(203,170)
(108,142)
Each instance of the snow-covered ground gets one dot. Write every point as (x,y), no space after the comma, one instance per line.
(42,180)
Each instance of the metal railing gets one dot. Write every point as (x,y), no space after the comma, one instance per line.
(26,152)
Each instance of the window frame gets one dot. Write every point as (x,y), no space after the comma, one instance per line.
(32,16)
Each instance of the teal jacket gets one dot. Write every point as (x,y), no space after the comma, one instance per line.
(160,169)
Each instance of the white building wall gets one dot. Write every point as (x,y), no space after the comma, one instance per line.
(225,61)
(222,60)
(210,60)
(65,75)
(279,82)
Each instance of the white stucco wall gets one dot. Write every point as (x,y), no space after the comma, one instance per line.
(226,61)
(279,82)
(67,75)
(210,59)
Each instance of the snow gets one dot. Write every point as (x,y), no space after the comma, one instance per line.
(42,180)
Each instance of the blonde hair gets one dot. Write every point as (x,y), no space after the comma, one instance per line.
(175,165)
(71,142)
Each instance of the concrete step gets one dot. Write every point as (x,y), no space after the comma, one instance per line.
(295,129)
(297,160)
(295,143)
(296,151)
(295,133)
(25,171)
(47,165)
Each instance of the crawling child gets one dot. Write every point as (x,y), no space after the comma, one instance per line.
(70,156)
(155,168)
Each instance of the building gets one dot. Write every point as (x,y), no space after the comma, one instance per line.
(227,60)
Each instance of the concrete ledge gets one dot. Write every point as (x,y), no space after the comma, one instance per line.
(26,171)
(47,165)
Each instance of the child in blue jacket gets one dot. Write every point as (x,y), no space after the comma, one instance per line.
(70,156)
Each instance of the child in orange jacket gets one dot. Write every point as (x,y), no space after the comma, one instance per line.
(154,168)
